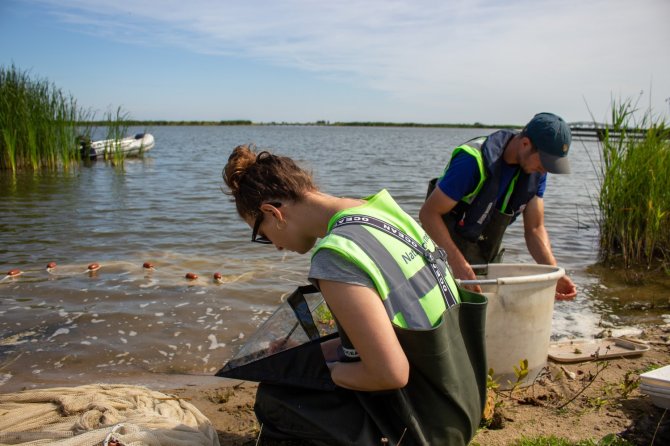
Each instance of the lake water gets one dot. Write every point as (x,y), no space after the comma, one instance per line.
(126,323)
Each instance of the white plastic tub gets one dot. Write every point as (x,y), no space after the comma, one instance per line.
(518,317)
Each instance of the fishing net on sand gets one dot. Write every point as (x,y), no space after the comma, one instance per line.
(101,414)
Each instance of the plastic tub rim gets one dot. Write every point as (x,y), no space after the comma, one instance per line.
(528,278)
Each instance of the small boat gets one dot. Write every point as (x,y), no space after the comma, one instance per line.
(130,146)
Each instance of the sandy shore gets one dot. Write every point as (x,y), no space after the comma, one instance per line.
(606,401)
(578,401)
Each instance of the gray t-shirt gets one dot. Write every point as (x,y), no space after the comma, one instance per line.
(329,265)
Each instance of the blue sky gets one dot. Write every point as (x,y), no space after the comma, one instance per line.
(448,61)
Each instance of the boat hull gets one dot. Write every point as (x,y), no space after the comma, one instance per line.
(130,146)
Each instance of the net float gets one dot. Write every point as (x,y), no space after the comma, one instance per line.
(14,272)
(148,265)
(51,265)
(191,276)
(93,267)
(218,278)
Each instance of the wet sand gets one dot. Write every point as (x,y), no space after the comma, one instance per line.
(530,412)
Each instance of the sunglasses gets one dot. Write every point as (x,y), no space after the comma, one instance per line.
(257,223)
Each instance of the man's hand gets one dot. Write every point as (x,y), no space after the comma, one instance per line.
(565,289)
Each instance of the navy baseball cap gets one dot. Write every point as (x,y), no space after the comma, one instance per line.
(550,134)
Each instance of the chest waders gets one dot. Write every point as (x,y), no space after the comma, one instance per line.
(443,401)
(488,246)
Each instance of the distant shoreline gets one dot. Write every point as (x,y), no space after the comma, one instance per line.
(240,122)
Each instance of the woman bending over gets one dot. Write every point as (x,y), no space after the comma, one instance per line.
(409,364)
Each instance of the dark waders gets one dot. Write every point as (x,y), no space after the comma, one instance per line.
(488,247)
(441,405)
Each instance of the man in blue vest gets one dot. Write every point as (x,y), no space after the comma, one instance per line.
(487,184)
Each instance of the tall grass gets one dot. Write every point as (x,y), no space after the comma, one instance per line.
(37,123)
(634,197)
(116,127)
(40,125)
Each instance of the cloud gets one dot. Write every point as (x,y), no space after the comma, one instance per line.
(420,52)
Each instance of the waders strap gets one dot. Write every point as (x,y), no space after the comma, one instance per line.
(430,257)
(299,306)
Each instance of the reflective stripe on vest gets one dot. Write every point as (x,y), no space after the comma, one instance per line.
(432,257)
(404,280)
(474,149)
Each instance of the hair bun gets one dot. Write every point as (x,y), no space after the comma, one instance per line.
(239,162)
(253,178)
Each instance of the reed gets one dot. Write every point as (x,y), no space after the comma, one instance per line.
(40,125)
(37,123)
(117,128)
(634,198)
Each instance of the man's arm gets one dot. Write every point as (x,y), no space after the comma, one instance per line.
(539,246)
(430,215)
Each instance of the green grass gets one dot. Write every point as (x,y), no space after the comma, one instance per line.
(634,196)
(39,124)
(609,440)
(116,131)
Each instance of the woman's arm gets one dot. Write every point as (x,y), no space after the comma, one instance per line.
(360,312)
